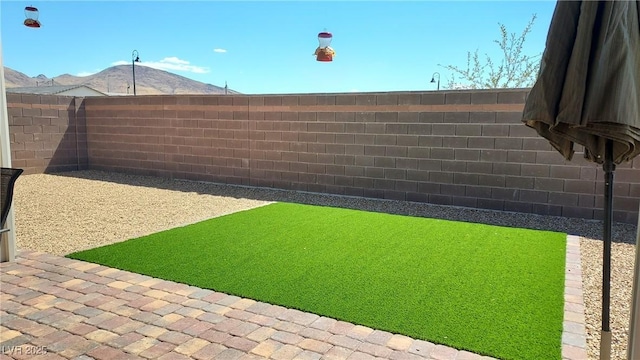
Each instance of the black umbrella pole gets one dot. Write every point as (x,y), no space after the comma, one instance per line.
(609,168)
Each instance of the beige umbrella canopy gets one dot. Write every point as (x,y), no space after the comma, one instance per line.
(588,93)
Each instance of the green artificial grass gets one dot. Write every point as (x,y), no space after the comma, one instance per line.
(492,290)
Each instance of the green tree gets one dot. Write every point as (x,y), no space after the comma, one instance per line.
(514,70)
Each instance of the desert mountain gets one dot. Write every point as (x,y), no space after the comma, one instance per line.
(115,80)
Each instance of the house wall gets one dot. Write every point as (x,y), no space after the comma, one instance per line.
(464,148)
(47,133)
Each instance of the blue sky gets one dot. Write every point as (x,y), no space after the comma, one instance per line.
(266,46)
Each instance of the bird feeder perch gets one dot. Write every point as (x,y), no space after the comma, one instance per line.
(324,52)
(31,13)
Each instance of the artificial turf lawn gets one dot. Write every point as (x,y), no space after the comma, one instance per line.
(493,290)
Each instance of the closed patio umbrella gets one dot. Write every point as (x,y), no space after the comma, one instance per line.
(588,93)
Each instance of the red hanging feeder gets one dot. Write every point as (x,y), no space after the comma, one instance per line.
(31,13)
(324,52)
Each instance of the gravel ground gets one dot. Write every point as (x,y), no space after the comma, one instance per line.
(68,212)
(622,262)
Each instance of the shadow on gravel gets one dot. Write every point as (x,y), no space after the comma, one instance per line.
(625,233)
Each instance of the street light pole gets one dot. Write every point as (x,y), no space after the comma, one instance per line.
(433,79)
(134,59)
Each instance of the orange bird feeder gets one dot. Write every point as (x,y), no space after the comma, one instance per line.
(31,13)
(324,52)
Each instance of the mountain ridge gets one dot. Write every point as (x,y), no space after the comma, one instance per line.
(116,80)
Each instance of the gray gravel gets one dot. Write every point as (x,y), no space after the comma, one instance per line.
(68,212)
(622,262)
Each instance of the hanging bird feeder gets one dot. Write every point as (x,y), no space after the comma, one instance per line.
(324,52)
(31,13)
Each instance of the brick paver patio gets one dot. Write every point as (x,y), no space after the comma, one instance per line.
(56,308)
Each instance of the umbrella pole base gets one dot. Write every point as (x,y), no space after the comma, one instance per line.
(605,345)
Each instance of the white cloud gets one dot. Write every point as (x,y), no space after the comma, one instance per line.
(219,50)
(354,90)
(170,63)
(86,73)
(120,62)
(175,60)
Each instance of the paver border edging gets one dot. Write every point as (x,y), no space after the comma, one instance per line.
(574,337)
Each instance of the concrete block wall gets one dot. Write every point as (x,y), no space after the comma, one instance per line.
(47,133)
(465,148)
